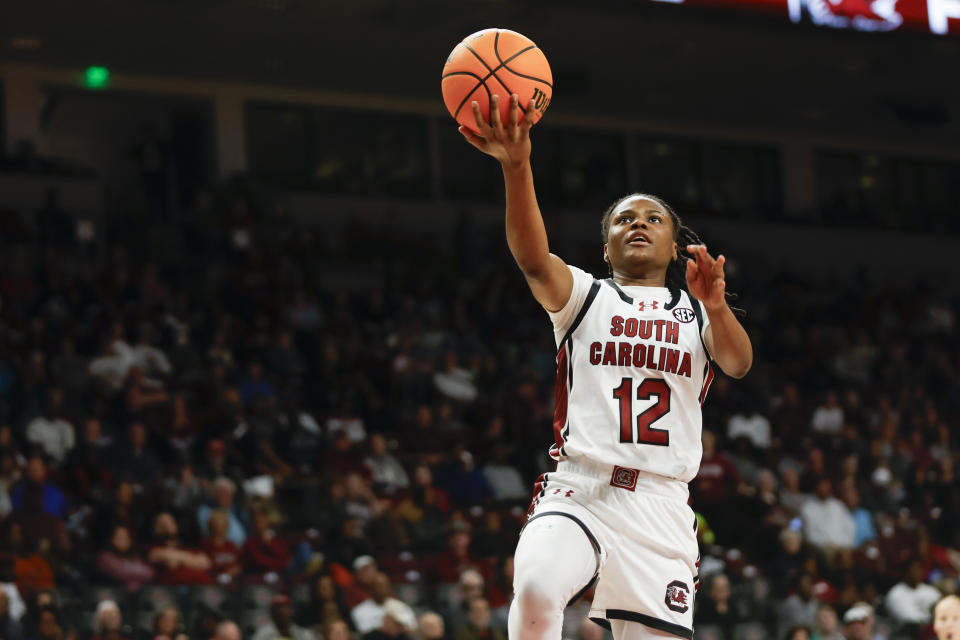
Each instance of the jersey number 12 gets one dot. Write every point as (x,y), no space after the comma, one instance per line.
(647,388)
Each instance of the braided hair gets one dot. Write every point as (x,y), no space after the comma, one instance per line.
(684,236)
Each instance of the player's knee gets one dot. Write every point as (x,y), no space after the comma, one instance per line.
(538,597)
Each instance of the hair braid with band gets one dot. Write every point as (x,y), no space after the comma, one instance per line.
(684,236)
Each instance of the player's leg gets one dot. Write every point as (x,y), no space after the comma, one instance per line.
(626,630)
(554,560)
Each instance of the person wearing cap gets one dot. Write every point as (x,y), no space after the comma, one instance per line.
(858,622)
(946,618)
(364,571)
(281,622)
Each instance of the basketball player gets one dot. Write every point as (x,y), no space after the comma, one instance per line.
(946,618)
(632,369)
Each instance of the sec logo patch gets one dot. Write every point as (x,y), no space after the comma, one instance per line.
(683,314)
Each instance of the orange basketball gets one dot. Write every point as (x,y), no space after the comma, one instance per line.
(496,61)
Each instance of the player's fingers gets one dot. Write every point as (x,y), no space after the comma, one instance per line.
(514,110)
(495,122)
(472,138)
(527,121)
(718,268)
(482,126)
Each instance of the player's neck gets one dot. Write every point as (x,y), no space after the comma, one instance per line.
(655,279)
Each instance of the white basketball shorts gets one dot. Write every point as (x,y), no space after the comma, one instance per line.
(645,536)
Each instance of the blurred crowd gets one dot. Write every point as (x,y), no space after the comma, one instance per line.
(236,425)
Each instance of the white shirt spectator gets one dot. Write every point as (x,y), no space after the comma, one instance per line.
(153,361)
(912,605)
(55,436)
(112,367)
(827,522)
(270,632)
(827,419)
(368,615)
(16,606)
(756,428)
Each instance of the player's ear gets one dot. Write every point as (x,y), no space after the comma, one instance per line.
(676,249)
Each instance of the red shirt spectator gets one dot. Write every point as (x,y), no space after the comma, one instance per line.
(174,563)
(263,552)
(224,554)
(718,477)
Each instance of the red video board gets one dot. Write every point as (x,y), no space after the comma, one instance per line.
(941,17)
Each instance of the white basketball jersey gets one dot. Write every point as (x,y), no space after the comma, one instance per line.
(632,372)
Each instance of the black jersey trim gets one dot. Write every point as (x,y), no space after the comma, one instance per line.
(654,623)
(674,298)
(603,622)
(593,541)
(591,296)
(698,312)
(616,287)
(586,530)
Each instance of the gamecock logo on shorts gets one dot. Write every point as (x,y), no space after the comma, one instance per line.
(678,596)
(683,314)
(624,478)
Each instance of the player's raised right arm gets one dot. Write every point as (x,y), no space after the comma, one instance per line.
(547,275)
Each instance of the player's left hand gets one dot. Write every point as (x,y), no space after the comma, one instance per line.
(705,279)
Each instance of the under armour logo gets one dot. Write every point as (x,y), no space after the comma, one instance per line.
(653,305)
(566,495)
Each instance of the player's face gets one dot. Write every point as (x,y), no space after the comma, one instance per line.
(640,237)
(946,621)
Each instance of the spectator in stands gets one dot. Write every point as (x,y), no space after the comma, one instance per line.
(399,622)
(751,424)
(493,539)
(47,625)
(478,623)
(386,471)
(828,417)
(123,509)
(255,383)
(152,361)
(469,586)
(325,593)
(431,626)
(87,464)
(138,464)
(281,623)
(858,622)
(174,563)
(798,632)
(228,630)
(425,510)
(800,609)
(827,625)
(108,621)
(827,523)
(224,492)
(504,479)
(911,600)
(10,628)
(717,481)
(465,483)
(120,563)
(166,623)
(946,618)
(862,519)
(368,615)
(225,556)
(264,552)
(50,430)
(52,498)
(146,397)
(450,565)
(716,608)
(336,630)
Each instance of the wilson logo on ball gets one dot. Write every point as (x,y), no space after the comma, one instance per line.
(683,314)
(540,100)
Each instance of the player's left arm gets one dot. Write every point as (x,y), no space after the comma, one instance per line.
(726,339)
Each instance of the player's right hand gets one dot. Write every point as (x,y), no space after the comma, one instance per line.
(509,143)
